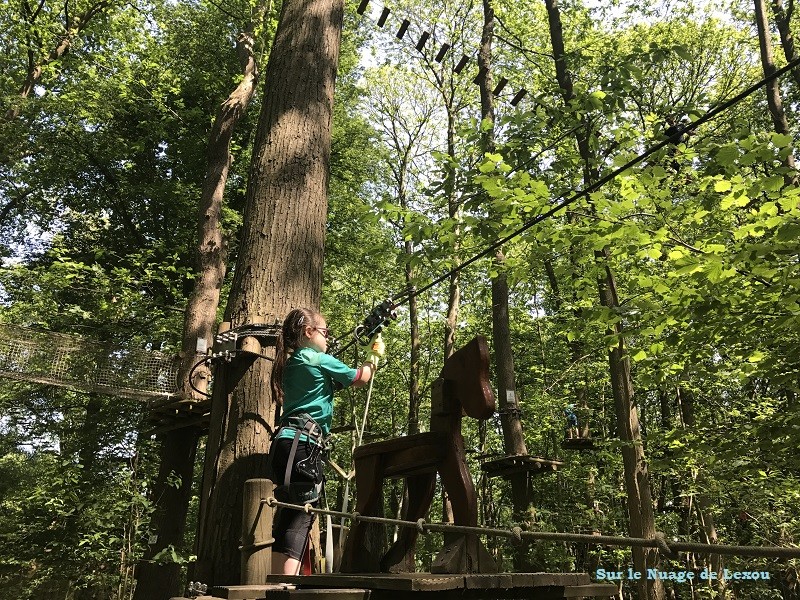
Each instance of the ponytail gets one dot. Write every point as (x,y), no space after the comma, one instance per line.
(289,340)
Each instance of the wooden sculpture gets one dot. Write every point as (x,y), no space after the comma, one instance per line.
(462,388)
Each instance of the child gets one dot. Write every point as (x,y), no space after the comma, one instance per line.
(303,381)
(571,430)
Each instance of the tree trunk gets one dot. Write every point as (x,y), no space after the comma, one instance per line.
(156,581)
(179,447)
(413,311)
(637,480)
(513,439)
(413,382)
(702,503)
(453,209)
(783,19)
(279,265)
(773,89)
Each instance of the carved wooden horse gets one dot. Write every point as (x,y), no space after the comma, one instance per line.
(463,385)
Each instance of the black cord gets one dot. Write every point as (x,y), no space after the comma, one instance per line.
(212,359)
(407,294)
(191,382)
(600,182)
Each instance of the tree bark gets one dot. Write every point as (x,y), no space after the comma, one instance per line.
(637,480)
(702,502)
(783,18)
(413,374)
(279,265)
(401,172)
(453,209)
(179,447)
(773,89)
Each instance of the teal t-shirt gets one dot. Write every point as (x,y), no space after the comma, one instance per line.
(308,386)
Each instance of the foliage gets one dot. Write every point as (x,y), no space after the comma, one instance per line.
(101,171)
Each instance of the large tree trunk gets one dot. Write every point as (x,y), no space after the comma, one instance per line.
(179,447)
(279,265)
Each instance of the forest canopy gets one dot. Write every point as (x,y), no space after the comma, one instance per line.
(684,267)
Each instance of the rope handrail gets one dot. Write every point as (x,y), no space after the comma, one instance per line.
(660,541)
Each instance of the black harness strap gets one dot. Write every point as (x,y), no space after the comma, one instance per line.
(311,429)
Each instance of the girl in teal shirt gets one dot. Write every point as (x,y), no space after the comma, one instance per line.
(304,379)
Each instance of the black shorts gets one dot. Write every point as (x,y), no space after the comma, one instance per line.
(290,527)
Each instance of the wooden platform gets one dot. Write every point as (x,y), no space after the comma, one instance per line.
(380,586)
(577,444)
(519,463)
(246,592)
(417,586)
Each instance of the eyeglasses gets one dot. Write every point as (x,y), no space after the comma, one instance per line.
(324,331)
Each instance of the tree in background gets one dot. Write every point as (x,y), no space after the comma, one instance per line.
(156,579)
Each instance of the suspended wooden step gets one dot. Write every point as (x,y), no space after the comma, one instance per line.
(578,443)
(164,415)
(519,463)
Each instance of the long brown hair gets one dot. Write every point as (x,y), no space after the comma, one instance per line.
(289,339)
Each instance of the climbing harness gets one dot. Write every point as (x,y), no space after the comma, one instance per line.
(303,425)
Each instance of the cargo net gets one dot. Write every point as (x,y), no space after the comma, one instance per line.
(74,362)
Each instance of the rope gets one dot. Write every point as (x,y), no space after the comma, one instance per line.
(659,541)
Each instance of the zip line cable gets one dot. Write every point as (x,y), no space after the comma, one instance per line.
(382,314)
(406,296)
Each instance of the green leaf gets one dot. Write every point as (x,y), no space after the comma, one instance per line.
(780,140)
(722,185)
(727,155)
(683,52)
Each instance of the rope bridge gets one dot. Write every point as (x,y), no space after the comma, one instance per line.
(77,363)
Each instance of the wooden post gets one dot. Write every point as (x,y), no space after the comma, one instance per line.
(257,537)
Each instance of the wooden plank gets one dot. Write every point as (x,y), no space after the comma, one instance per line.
(483,582)
(333,594)
(540,585)
(603,590)
(520,463)
(376,581)
(247,592)
(532,580)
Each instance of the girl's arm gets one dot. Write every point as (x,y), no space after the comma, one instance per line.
(364,373)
